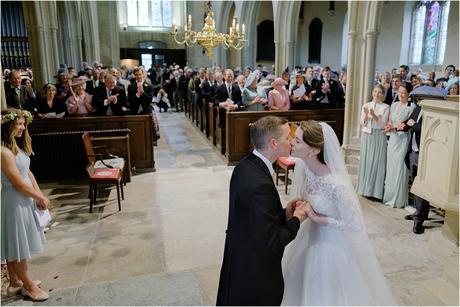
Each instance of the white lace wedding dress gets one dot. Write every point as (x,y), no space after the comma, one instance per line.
(332,264)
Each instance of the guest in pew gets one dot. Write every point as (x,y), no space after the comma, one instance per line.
(63,84)
(278,97)
(95,82)
(108,99)
(252,100)
(21,196)
(27,82)
(80,103)
(228,95)
(371,173)
(140,94)
(18,96)
(397,175)
(241,81)
(301,96)
(454,89)
(327,91)
(49,106)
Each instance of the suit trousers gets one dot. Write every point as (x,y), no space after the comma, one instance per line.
(422,206)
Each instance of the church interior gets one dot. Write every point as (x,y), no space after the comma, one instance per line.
(152,231)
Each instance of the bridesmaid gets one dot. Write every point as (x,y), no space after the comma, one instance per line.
(397,180)
(374,117)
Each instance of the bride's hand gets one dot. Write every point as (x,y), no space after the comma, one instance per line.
(290,207)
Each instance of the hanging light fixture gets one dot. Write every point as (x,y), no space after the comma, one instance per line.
(208,36)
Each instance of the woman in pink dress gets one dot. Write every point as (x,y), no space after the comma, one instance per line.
(79,103)
(278,98)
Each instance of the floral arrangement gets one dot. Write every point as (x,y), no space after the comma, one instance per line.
(13,114)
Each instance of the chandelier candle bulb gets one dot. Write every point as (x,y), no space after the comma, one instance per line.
(189,19)
(242,32)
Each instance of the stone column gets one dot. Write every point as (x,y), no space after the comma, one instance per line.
(437,182)
(289,58)
(89,17)
(364,23)
(41,23)
(278,64)
(109,33)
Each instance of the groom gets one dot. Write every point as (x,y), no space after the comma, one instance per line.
(258,228)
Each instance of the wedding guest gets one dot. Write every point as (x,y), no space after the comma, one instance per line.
(50,104)
(278,97)
(21,233)
(374,117)
(454,89)
(140,93)
(304,100)
(19,96)
(27,82)
(80,103)
(252,100)
(163,101)
(397,176)
(108,99)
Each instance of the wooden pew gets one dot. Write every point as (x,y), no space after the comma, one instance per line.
(58,146)
(237,142)
(212,113)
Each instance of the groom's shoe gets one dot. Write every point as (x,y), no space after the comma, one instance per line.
(418,227)
(410,217)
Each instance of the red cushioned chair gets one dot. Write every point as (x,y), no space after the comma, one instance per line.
(108,175)
(286,163)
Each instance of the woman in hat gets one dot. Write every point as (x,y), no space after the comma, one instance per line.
(278,98)
(252,101)
(80,101)
(49,105)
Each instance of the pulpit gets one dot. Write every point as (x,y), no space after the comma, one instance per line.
(437,182)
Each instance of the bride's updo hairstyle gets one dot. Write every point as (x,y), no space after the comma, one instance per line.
(313,136)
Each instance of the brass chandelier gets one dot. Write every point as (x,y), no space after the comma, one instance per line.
(208,37)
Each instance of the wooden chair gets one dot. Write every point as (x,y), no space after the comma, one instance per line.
(97,161)
(104,176)
(287,164)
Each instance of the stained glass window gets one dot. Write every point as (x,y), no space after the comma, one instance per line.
(146,13)
(429,32)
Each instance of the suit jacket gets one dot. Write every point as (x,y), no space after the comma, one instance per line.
(257,234)
(416,128)
(203,91)
(145,100)
(389,97)
(332,95)
(24,101)
(221,95)
(100,94)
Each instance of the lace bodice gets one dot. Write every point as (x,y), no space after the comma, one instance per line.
(330,196)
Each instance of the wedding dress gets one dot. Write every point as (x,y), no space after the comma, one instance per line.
(332,264)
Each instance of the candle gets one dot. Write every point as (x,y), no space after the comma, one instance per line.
(243,29)
(185,28)
(237,28)
(189,18)
(230,31)
(234,20)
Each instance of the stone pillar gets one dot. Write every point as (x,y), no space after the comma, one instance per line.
(289,58)
(364,23)
(278,65)
(109,33)
(41,23)
(89,17)
(437,182)
(70,30)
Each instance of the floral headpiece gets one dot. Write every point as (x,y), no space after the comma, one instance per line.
(13,114)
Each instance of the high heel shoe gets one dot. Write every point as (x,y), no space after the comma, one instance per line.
(13,291)
(42,296)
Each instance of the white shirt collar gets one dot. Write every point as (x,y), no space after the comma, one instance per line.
(265,160)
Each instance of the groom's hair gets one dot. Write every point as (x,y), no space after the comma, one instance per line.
(265,128)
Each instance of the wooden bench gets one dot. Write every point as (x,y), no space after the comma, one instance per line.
(59,151)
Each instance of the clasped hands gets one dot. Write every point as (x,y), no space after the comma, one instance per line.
(299,208)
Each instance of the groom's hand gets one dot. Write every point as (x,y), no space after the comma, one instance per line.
(290,207)
(301,210)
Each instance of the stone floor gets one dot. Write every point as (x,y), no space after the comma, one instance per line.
(165,247)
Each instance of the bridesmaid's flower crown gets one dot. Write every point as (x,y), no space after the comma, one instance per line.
(13,114)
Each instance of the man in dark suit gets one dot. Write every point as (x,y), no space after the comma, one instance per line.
(109,99)
(19,96)
(392,93)
(140,94)
(258,227)
(414,125)
(228,90)
(327,91)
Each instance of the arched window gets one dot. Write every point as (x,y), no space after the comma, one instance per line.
(429,32)
(149,14)
(265,41)
(314,41)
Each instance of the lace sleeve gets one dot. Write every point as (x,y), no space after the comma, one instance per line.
(350,217)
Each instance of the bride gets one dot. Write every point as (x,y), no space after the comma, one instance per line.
(331,261)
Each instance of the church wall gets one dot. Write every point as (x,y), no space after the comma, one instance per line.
(131,39)
(331,42)
(265,12)
(389,39)
(452,50)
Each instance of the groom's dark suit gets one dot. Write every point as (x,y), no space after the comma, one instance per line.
(257,233)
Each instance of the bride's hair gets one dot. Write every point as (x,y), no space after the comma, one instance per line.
(313,136)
